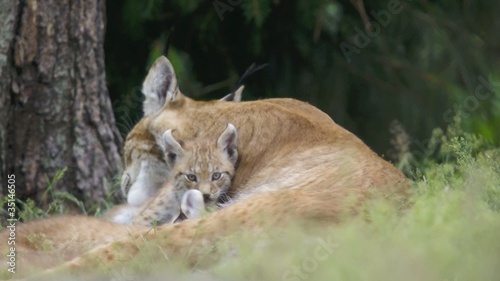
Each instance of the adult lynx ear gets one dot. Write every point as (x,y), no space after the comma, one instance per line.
(171,147)
(227,143)
(234,96)
(160,86)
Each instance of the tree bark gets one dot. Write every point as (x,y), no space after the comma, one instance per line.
(55,111)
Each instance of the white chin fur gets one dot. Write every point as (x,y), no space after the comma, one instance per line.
(137,196)
(145,186)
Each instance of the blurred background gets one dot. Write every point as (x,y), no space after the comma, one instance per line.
(379,68)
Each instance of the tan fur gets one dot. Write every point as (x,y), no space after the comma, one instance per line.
(145,171)
(47,242)
(142,154)
(146,168)
(201,159)
(296,165)
(123,213)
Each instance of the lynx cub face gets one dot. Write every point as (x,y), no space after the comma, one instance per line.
(201,171)
(207,167)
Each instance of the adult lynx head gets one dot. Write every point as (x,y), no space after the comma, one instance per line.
(165,107)
(146,168)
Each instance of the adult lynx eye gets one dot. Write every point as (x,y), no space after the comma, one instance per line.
(190,177)
(216,176)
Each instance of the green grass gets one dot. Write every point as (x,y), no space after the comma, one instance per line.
(450,232)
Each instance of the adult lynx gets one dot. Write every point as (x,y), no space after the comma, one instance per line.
(146,168)
(206,166)
(150,170)
(295,164)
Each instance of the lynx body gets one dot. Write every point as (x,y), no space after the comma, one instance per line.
(295,164)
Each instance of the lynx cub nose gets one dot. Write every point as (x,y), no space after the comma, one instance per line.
(206,198)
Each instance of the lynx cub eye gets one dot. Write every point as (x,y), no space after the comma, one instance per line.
(216,176)
(190,177)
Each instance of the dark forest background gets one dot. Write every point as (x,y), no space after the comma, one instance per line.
(372,66)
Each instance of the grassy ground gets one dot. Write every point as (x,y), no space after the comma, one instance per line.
(451,232)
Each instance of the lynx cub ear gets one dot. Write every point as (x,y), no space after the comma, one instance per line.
(160,86)
(227,143)
(234,96)
(171,147)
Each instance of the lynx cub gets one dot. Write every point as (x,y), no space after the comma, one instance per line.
(200,173)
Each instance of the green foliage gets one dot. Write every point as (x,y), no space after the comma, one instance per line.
(30,210)
(135,12)
(60,202)
(186,6)
(59,199)
(256,10)
(455,146)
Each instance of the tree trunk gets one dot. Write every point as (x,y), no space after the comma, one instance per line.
(55,111)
